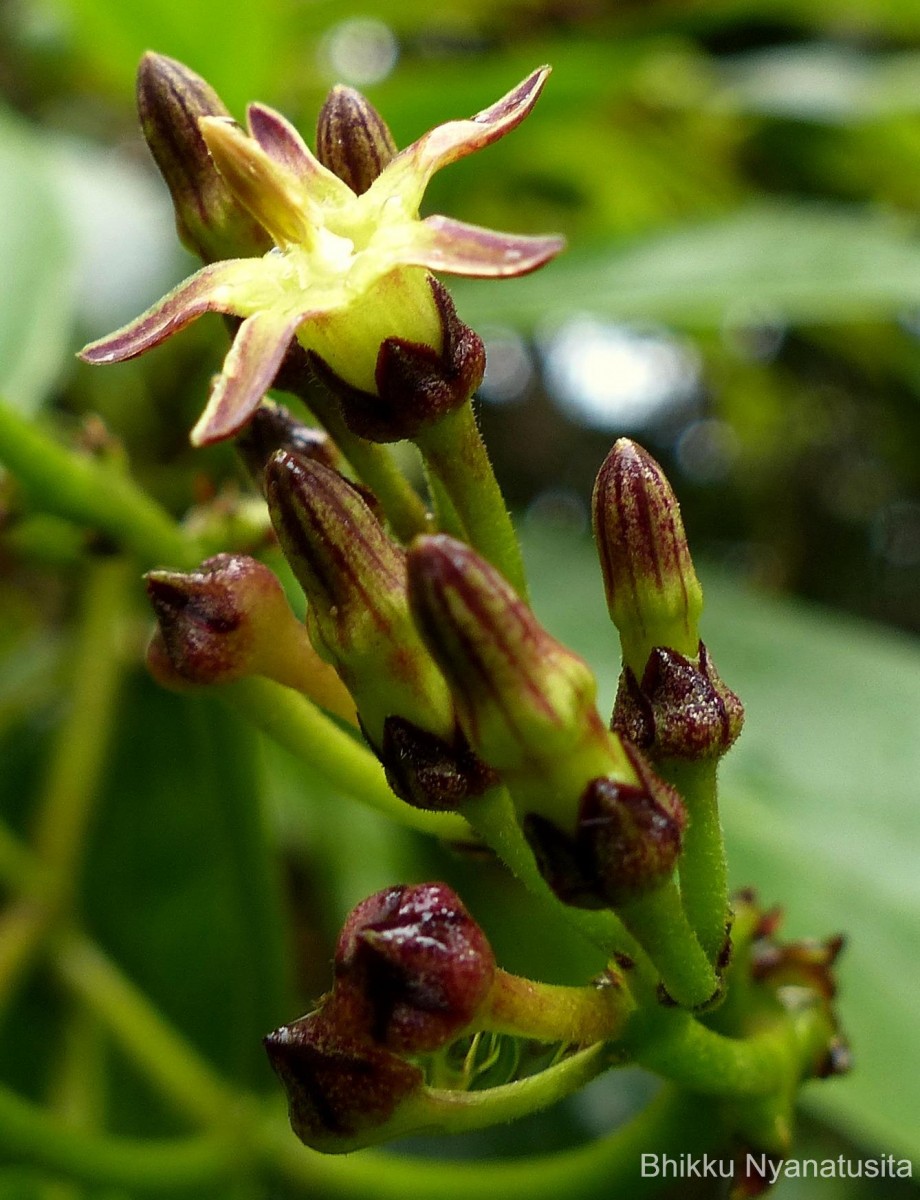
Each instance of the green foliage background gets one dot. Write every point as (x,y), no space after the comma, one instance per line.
(716,165)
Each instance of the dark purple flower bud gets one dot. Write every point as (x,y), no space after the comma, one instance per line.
(627,843)
(340,1086)
(679,710)
(429,772)
(653,593)
(354,576)
(416,963)
(352,139)
(210,221)
(231,619)
(630,835)
(273,428)
(416,384)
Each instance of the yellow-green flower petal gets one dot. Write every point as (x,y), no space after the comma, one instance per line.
(255,356)
(348,272)
(220,287)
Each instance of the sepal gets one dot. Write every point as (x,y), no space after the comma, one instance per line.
(416,384)
(681,708)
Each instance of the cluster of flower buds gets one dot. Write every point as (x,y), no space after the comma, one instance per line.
(412,970)
(413,973)
(322,264)
(671,701)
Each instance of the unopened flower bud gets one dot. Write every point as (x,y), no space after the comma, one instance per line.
(352,139)
(523,699)
(228,620)
(416,382)
(630,835)
(653,593)
(680,709)
(210,221)
(428,771)
(415,965)
(272,428)
(340,1086)
(627,842)
(354,576)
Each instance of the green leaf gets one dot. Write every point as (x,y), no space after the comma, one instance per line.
(235,46)
(802,263)
(823,82)
(35,266)
(819,804)
(179,886)
(821,815)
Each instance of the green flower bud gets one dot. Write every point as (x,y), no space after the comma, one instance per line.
(354,576)
(524,700)
(653,594)
(210,221)
(352,139)
(228,620)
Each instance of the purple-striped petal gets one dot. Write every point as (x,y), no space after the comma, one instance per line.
(282,143)
(214,288)
(410,171)
(249,369)
(442,244)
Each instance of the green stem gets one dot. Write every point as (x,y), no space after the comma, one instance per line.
(445,515)
(555,1013)
(80,748)
(22,927)
(29,1133)
(19,869)
(299,726)
(92,492)
(659,924)
(77,1093)
(703,867)
(181,1074)
(460,1112)
(455,454)
(673,1123)
(676,1046)
(376,467)
(71,786)
(493,817)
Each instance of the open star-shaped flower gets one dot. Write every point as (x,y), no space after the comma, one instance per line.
(347,270)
